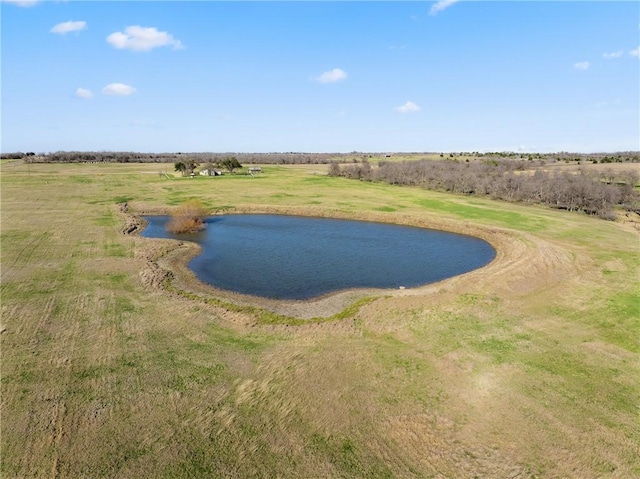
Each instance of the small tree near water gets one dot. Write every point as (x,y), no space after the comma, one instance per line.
(188,218)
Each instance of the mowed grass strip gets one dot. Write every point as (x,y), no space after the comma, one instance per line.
(103,376)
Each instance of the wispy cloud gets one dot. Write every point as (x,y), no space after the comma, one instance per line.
(84,93)
(441,5)
(611,55)
(581,65)
(69,26)
(22,3)
(605,104)
(118,89)
(142,39)
(408,107)
(332,76)
(635,53)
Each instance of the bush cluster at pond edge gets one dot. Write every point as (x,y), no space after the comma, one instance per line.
(188,218)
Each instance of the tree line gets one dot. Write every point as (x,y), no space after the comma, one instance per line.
(201,158)
(17,155)
(291,158)
(594,192)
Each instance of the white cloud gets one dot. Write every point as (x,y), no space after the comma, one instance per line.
(142,39)
(118,89)
(69,26)
(84,93)
(22,3)
(332,76)
(604,104)
(611,55)
(408,107)
(635,53)
(581,65)
(441,5)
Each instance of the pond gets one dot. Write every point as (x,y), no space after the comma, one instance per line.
(293,257)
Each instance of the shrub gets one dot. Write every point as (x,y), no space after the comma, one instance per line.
(334,169)
(188,218)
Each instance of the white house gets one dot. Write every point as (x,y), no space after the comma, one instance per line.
(208,172)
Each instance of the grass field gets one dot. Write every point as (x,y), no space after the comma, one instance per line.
(526,368)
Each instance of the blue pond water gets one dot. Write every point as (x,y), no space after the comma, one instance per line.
(292,257)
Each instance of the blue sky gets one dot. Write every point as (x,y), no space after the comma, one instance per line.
(320,76)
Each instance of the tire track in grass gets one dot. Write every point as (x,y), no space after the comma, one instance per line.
(23,257)
(27,374)
(69,355)
(62,342)
(58,434)
(54,351)
(35,208)
(66,358)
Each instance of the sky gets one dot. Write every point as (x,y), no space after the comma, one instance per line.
(325,76)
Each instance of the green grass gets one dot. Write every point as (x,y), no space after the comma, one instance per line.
(485,213)
(615,319)
(264,316)
(106,219)
(344,455)
(104,376)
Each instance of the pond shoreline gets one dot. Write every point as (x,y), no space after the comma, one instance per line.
(166,259)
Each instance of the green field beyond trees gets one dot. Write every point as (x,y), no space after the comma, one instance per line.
(530,368)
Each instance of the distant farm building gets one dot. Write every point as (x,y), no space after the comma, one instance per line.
(209,172)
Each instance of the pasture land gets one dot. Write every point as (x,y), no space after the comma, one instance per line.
(526,368)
